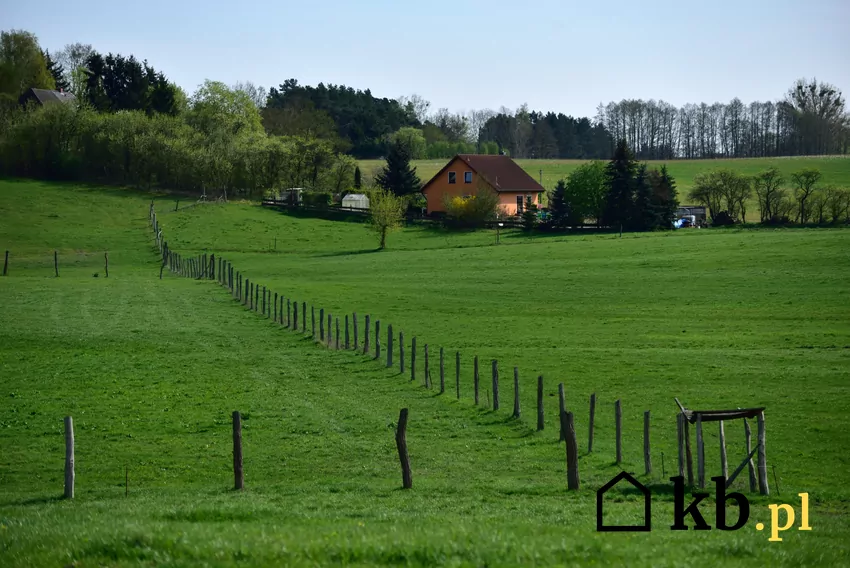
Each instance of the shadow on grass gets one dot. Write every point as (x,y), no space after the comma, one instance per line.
(347,253)
(38,501)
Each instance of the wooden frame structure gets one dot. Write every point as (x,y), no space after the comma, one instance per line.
(696,417)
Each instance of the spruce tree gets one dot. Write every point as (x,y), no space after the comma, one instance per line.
(664,198)
(56,71)
(559,209)
(620,179)
(645,217)
(398,176)
(357,179)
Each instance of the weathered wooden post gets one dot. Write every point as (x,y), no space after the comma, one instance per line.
(6,264)
(366,336)
(647,462)
(389,346)
(680,438)
(289,313)
(724,466)
(516,413)
(427,369)
(618,422)
(294,316)
(401,444)
(475,379)
(377,339)
(347,336)
(700,454)
(322,324)
(238,474)
(495,385)
(688,455)
(750,466)
(572,451)
(401,352)
(762,456)
(106,264)
(264,300)
(69,457)
(457,374)
(540,422)
(413,359)
(275,320)
(354,325)
(56,263)
(562,409)
(256,297)
(592,422)
(442,373)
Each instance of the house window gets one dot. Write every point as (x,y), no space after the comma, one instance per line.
(467,196)
(467,177)
(540,199)
(452,177)
(519,204)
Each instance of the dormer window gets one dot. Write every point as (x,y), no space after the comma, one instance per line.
(452,177)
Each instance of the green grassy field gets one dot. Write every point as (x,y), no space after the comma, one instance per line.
(151,370)
(835,169)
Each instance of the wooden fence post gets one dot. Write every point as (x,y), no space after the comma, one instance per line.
(354,325)
(495,385)
(700,454)
(389,346)
(618,422)
(303,317)
(647,462)
(427,369)
(238,474)
(540,421)
(328,335)
(276,311)
(294,316)
(56,263)
(764,489)
(401,352)
(264,301)
(69,457)
(336,343)
(322,324)
(688,455)
(413,359)
(6,264)
(289,313)
(592,422)
(106,263)
(475,378)
(347,336)
(680,438)
(724,466)
(401,444)
(313,320)
(750,466)
(562,410)
(457,373)
(572,452)
(377,339)
(516,413)
(256,297)
(366,335)
(442,373)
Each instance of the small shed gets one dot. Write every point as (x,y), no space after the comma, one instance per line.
(355,201)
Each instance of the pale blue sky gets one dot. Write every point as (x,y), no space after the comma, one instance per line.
(565,56)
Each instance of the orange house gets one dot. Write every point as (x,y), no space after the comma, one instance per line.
(462,175)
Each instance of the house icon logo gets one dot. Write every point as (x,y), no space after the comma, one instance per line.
(647,505)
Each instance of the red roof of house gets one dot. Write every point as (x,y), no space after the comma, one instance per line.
(499,171)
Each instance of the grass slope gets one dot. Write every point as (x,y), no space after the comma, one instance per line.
(152,369)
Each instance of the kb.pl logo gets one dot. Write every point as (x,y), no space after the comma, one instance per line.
(681,512)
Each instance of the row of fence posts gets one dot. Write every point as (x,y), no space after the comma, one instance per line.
(259,299)
(56,264)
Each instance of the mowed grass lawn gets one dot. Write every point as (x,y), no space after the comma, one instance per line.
(151,370)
